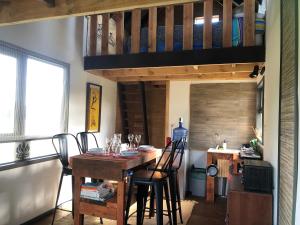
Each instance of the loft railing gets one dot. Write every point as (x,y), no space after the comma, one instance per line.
(110,34)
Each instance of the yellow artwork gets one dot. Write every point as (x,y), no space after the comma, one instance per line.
(93,113)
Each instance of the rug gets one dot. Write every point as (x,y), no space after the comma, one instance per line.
(186,205)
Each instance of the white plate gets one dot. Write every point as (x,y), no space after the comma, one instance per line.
(95,150)
(129,153)
(145,147)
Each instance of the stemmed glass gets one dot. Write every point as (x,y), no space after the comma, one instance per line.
(130,139)
(138,139)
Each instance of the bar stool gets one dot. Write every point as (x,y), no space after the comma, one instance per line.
(174,184)
(62,151)
(158,180)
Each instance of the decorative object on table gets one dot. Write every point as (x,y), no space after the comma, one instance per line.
(130,139)
(22,151)
(253,144)
(138,139)
(93,107)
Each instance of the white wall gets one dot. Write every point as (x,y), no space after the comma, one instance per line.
(30,191)
(272,77)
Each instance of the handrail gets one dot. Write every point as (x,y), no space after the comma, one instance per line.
(99,28)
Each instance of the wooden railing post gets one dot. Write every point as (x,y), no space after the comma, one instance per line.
(93,35)
(152,25)
(104,34)
(169,28)
(227,23)
(188,22)
(249,22)
(135,30)
(207,29)
(119,32)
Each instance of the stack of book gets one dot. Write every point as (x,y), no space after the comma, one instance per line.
(97,192)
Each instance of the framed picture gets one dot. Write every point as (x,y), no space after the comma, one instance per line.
(93,107)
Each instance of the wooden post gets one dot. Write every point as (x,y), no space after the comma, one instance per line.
(105,34)
(121,192)
(93,35)
(135,30)
(207,29)
(227,23)
(152,25)
(119,32)
(169,31)
(188,22)
(249,22)
(167,110)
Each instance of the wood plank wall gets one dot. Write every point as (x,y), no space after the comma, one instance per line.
(288,117)
(226,109)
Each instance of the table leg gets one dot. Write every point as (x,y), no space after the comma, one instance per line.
(78,218)
(210,183)
(121,190)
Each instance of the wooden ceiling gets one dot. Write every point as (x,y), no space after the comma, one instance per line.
(20,11)
(194,72)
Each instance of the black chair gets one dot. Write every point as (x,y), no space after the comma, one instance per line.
(174,184)
(157,180)
(62,151)
(83,138)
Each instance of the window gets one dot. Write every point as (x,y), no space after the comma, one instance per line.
(34,101)
(200,20)
(260,110)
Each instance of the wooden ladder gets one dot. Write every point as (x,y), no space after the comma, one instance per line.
(133,108)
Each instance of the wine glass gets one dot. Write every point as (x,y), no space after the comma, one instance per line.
(108,142)
(138,139)
(130,139)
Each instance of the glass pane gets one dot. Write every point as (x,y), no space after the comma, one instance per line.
(44,98)
(41,148)
(8,76)
(7,152)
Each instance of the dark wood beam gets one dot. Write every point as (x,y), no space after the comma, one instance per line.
(51,3)
(187,57)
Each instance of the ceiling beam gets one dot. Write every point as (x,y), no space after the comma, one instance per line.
(178,70)
(18,11)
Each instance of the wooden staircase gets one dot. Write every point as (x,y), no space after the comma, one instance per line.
(133,110)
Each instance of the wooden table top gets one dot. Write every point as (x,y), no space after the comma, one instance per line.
(109,166)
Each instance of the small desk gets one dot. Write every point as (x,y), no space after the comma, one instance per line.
(107,168)
(212,156)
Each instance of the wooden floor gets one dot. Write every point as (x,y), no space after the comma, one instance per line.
(203,213)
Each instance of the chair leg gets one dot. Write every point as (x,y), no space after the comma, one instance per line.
(172,183)
(73,185)
(101,220)
(178,198)
(145,197)
(151,206)
(166,188)
(58,192)
(128,200)
(158,186)
(140,204)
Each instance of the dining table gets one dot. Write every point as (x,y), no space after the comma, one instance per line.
(106,167)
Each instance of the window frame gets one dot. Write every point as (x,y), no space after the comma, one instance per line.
(22,55)
(260,91)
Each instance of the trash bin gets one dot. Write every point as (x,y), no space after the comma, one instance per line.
(197,181)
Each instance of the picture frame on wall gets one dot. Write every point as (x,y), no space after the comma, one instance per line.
(93,107)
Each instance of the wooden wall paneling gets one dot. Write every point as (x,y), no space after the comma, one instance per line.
(135,30)
(93,35)
(249,22)
(167,110)
(226,109)
(156,105)
(104,34)
(119,32)
(288,115)
(169,30)
(207,29)
(152,26)
(188,22)
(227,23)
